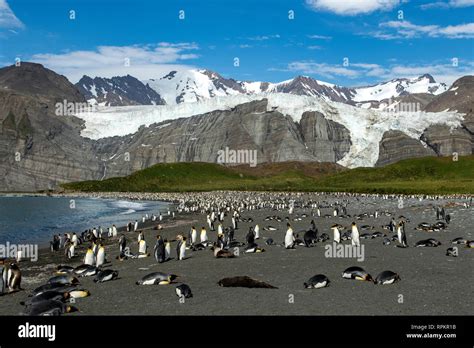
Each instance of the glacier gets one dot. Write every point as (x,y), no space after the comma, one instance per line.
(366,126)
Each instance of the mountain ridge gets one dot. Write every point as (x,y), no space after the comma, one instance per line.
(192,85)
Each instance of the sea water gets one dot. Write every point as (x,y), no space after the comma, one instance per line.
(35,219)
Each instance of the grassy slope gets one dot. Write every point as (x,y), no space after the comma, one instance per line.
(421,175)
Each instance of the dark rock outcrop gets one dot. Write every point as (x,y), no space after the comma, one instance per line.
(38,148)
(328,141)
(396,146)
(35,80)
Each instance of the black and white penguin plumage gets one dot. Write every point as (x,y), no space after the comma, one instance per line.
(316,282)
(401,234)
(183,290)
(122,243)
(159,250)
(181,248)
(452,252)
(14,278)
(3,279)
(387,277)
(105,276)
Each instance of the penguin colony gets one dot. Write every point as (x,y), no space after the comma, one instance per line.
(221,215)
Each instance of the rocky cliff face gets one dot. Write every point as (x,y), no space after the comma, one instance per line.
(275,138)
(38,149)
(328,141)
(396,146)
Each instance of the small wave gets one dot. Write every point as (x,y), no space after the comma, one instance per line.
(129,211)
(129,205)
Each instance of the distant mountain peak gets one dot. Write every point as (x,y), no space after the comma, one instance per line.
(118,91)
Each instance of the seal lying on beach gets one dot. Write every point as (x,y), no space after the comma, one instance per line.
(430,242)
(244,282)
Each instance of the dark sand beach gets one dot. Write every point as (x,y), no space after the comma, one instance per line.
(431,282)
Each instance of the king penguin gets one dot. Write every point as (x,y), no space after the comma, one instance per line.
(89,259)
(142,247)
(193,235)
(14,278)
(70,251)
(181,248)
(337,235)
(167,250)
(355,235)
(203,236)
(257,231)
(100,256)
(289,238)
(160,250)
(402,237)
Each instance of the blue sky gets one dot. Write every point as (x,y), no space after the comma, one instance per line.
(378,40)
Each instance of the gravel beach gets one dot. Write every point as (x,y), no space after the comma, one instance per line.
(431,282)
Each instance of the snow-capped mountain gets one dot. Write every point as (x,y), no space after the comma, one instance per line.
(118,91)
(195,85)
(398,87)
(188,86)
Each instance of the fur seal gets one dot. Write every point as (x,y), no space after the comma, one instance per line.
(430,242)
(244,282)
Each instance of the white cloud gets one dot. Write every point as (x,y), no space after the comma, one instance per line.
(352,71)
(451,3)
(352,7)
(322,69)
(264,37)
(146,61)
(8,18)
(315,47)
(320,37)
(461,3)
(407,30)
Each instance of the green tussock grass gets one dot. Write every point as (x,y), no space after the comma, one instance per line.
(428,175)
